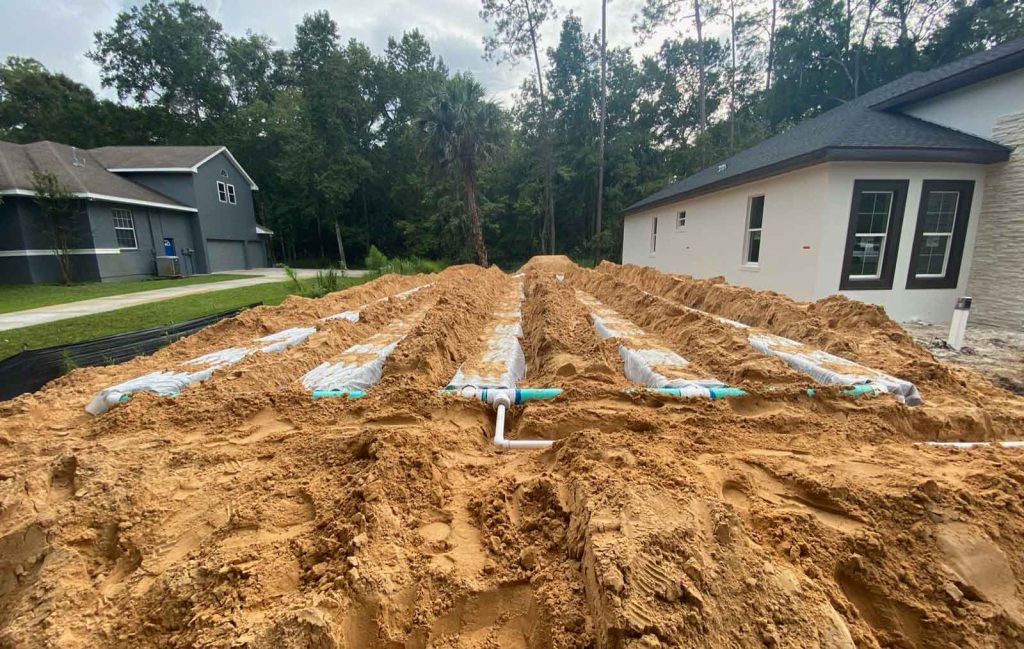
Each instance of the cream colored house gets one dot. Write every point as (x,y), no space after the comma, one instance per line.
(906,197)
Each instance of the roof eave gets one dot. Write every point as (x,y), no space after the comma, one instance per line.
(1009,63)
(988,155)
(224,150)
(143,170)
(193,169)
(90,196)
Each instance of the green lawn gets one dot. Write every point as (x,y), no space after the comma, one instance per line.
(146,315)
(18,297)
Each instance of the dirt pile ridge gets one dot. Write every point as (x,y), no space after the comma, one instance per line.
(242,513)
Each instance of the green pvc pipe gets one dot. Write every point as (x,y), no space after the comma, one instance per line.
(522,395)
(852,391)
(714,393)
(536,394)
(351,394)
(726,392)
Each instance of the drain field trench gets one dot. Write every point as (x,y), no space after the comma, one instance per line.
(694,490)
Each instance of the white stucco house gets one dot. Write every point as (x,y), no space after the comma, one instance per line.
(906,197)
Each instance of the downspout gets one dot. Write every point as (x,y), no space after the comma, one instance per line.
(152,237)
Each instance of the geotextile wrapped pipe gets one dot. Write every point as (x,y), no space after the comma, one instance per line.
(171,383)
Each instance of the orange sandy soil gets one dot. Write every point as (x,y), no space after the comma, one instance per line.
(243,514)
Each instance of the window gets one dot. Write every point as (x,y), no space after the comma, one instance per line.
(937,221)
(940,233)
(752,238)
(226,193)
(876,215)
(124,229)
(873,212)
(654,234)
(680,220)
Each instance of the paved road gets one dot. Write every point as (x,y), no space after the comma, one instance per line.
(42,315)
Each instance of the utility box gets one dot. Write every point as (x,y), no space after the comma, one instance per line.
(167,266)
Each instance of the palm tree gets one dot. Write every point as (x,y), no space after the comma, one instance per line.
(460,131)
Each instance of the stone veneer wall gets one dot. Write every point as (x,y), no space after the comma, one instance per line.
(997,272)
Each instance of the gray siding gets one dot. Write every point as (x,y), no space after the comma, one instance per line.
(174,185)
(223,221)
(229,231)
(11,237)
(181,187)
(20,219)
(217,221)
(21,229)
(151,226)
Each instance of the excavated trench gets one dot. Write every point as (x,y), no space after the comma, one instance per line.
(242,513)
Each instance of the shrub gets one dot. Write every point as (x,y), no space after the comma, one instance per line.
(376,261)
(294,278)
(327,281)
(413,265)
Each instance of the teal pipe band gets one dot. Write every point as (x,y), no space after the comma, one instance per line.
(852,391)
(723,393)
(522,395)
(536,394)
(351,394)
(714,393)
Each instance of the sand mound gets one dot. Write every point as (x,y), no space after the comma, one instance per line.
(242,513)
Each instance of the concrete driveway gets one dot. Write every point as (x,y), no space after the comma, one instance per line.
(52,313)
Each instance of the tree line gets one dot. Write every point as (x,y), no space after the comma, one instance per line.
(353,148)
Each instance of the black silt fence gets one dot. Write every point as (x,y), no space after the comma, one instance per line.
(30,370)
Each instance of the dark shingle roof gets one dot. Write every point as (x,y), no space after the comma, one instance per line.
(918,86)
(153,157)
(77,169)
(862,130)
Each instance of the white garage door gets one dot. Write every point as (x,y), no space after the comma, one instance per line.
(224,254)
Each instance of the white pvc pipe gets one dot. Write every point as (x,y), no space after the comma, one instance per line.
(1009,444)
(499,435)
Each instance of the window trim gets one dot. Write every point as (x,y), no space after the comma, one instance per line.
(681,214)
(131,218)
(957,239)
(654,236)
(887,270)
(222,191)
(746,263)
(232,196)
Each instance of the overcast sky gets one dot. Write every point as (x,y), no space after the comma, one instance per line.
(59,32)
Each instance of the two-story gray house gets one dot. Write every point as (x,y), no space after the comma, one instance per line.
(138,203)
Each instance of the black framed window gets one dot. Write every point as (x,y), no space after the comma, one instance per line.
(752,238)
(939,236)
(873,235)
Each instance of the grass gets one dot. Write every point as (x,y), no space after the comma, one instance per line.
(147,315)
(18,297)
